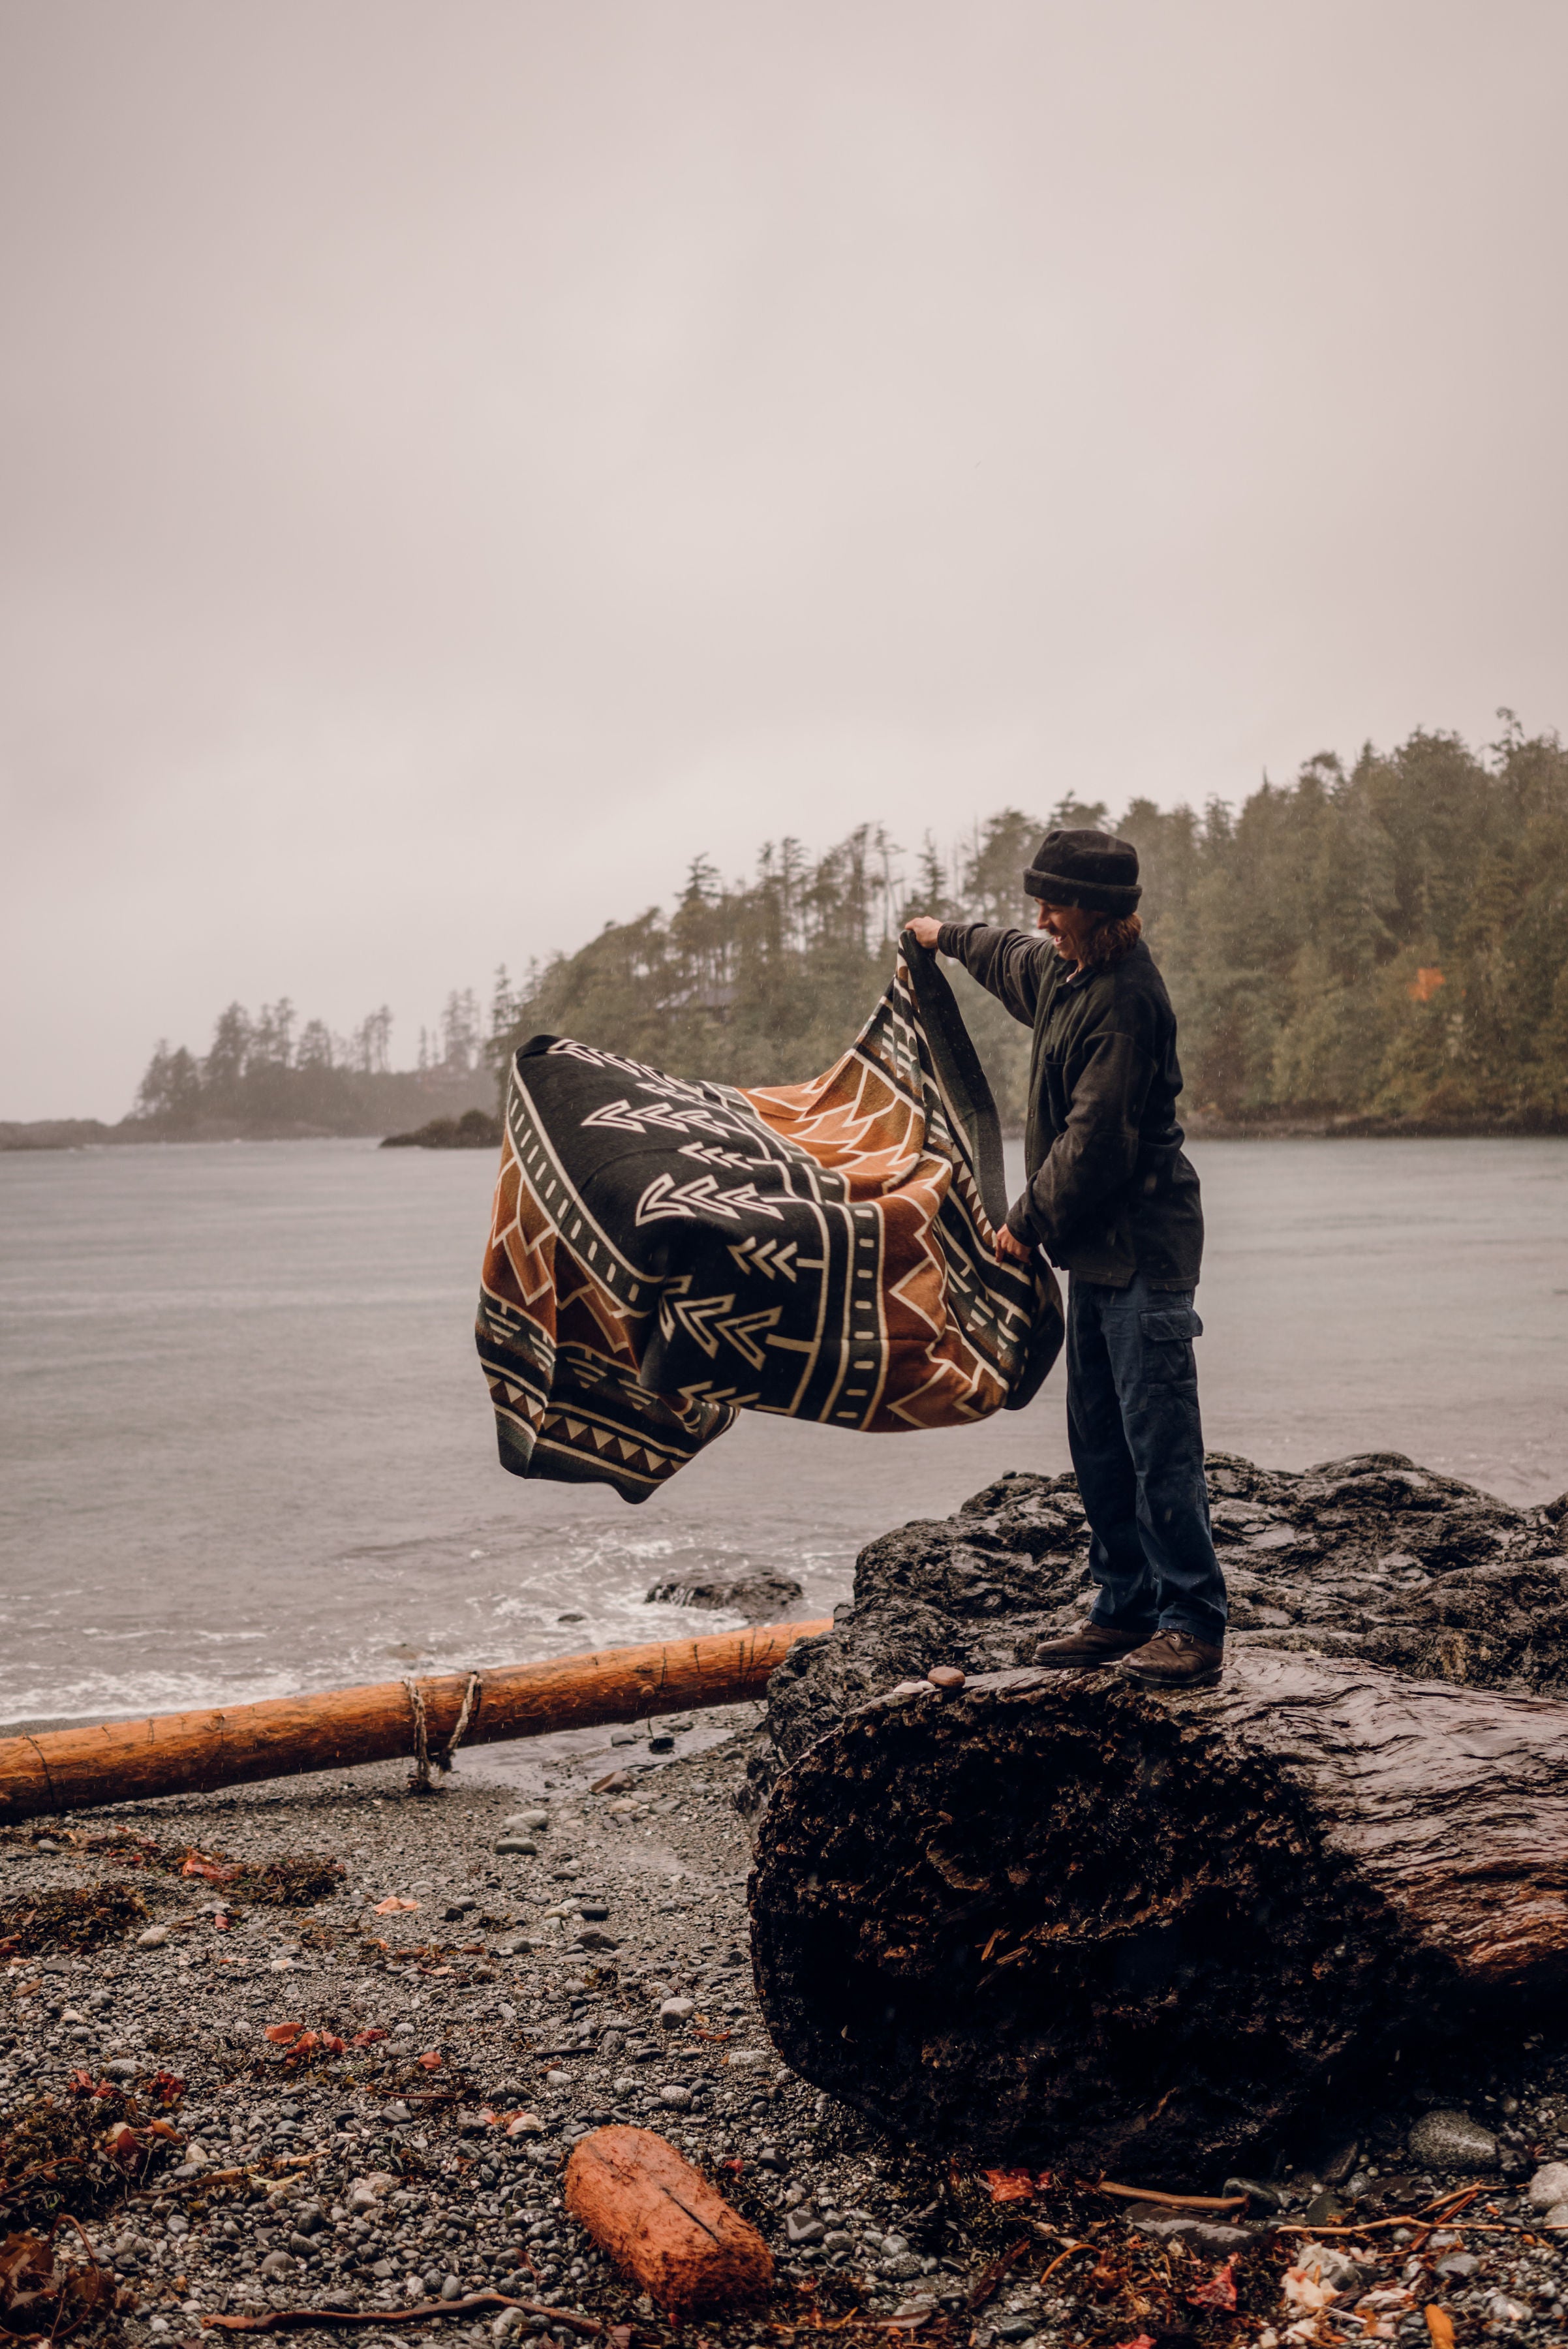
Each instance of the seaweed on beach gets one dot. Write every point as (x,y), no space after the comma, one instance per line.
(64,2158)
(44,2296)
(68,1918)
(79,2153)
(294,1881)
(315,1936)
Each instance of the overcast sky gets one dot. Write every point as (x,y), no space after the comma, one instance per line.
(461,460)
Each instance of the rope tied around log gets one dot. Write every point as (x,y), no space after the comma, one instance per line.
(445,1756)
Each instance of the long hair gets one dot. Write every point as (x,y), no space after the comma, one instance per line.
(1111,937)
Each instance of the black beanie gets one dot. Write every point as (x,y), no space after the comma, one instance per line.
(1086,868)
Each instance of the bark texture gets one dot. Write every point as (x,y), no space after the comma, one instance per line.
(1062,1921)
(1371,1559)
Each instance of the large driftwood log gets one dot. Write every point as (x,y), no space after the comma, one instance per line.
(1060,1921)
(1372,1558)
(186,1753)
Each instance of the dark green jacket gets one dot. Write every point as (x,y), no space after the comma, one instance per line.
(1110,1191)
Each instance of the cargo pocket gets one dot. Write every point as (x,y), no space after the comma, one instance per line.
(1168,1335)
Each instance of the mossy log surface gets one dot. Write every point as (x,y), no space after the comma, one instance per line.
(1061,1920)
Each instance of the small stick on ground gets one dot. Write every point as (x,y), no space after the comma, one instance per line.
(985,2283)
(295,2320)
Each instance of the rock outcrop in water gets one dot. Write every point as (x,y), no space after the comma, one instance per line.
(476,1129)
(760,1598)
(1370,1557)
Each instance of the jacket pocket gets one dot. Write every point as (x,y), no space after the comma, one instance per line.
(1168,1335)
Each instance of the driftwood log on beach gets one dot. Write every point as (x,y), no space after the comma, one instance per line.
(187,1752)
(1208,1912)
(1372,1558)
(1056,1919)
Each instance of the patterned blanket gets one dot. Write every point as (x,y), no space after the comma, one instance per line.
(664,1253)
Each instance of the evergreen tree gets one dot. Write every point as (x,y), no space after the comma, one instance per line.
(170,1090)
(316,1046)
(228,1056)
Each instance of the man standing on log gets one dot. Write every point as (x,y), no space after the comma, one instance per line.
(1114,1202)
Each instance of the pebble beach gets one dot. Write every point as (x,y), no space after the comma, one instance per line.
(354,2032)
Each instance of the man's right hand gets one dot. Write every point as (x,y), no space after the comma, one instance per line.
(924,930)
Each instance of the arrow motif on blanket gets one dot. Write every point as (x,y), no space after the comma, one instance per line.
(596,1059)
(664,1197)
(739,1333)
(768,1257)
(623,1119)
(674,1088)
(695,1315)
(703,1391)
(702,1318)
(711,1154)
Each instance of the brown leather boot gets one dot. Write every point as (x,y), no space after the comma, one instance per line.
(1174,1659)
(1087,1648)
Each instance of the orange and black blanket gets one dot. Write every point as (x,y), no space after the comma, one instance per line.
(664,1253)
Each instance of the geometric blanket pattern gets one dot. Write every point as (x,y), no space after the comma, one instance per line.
(664,1252)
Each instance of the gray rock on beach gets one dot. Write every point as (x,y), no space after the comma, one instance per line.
(1212,2237)
(1451,2139)
(1332,2265)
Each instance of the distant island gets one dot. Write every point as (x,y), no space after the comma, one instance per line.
(1377,947)
(474,1129)
(269,1079)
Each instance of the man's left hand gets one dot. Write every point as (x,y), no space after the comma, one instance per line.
(1012,1250)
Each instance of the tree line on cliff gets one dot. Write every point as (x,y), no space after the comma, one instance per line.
(1385,941)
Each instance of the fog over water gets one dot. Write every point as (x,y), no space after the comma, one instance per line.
(461,462)
(251,1450)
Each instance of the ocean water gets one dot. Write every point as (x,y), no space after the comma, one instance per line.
(248,1449)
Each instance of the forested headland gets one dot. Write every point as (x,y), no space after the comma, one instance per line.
(1381,945)
(1377,945)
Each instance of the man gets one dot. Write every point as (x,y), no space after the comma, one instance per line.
(1114,1202)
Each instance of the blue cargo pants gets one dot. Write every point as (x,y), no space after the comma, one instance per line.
(1136,1441)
